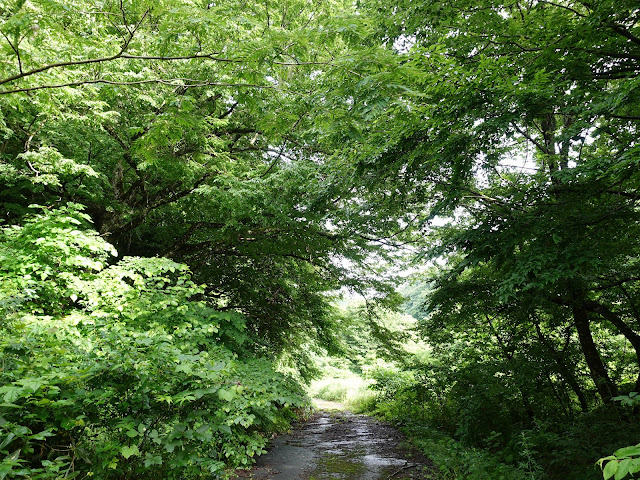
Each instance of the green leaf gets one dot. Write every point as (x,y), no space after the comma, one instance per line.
(7,440)
(623,469)
(632,451)
(634,467)
(130,451)
(610,469)
(152,460)
(11,394)
(227,395)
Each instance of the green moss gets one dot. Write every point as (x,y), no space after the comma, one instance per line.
(339,466)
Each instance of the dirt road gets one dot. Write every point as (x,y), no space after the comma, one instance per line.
(340,445)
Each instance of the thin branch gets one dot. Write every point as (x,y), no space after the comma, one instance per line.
(297,64)
(275,160)
(229,110)
(406,467)
(623,117)
(564,7)
(266,6)
(617,283)
(530,138)
(169,82)
(15,49)
(196,56)
(78,62)
(625,33)
(125,22)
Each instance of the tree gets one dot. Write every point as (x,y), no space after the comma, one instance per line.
(119,369)
(187,131)
(520,120)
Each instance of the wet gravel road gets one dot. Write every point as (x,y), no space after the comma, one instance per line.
(340,445)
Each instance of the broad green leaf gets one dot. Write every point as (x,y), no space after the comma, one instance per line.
(129,451)
(623,469)
(7,440)
(610,469)
(227,395)
(632,451)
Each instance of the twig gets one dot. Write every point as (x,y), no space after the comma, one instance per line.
(406,467)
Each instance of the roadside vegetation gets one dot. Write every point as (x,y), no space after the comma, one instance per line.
(455,404)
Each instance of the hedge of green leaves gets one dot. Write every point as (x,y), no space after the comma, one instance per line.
(119,371)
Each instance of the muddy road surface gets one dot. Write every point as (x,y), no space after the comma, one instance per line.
(339,445)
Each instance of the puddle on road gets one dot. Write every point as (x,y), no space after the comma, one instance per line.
(339,446)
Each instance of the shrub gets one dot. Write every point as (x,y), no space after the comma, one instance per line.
(118,371)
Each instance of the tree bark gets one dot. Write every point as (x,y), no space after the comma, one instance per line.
(606,388)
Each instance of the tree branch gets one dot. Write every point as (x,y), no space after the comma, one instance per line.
(78,62)
(625,33)
(564,7)
(169,82)
(529,137)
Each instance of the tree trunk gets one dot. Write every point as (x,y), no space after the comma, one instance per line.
(623,328)
(606,388)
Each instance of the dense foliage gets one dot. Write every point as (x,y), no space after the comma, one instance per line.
(118,371)
(187,132)
(515,144)
(155,135)
(184,184)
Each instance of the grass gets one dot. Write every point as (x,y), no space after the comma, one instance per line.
(350,390)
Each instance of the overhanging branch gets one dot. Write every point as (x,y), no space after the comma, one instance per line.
(173,82)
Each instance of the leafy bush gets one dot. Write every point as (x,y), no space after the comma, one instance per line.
(404,399)
(119,371)
(364,401)
(455,460)
(331,392)
(430,403)
(624,461)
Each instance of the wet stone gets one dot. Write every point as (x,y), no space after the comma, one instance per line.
(339,445)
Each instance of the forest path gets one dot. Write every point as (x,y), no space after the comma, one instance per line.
(336,445)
